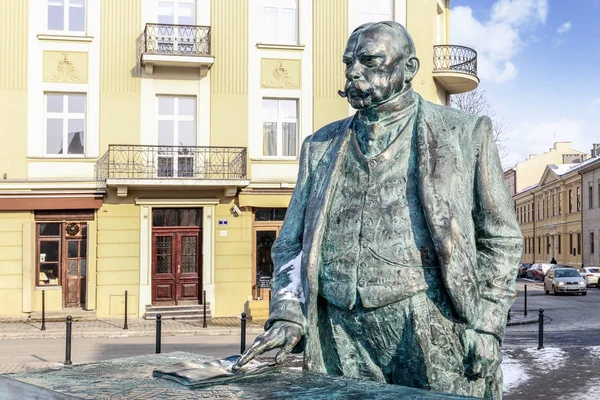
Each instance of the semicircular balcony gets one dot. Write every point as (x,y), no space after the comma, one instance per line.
(455,68)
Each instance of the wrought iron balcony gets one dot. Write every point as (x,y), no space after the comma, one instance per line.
(455,67)
(142,162)
(177,45)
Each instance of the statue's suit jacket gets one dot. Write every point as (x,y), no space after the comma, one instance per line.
(467,207)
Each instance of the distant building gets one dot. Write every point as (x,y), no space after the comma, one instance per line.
(550,214)
(529,172)
(590,177)
(510,177)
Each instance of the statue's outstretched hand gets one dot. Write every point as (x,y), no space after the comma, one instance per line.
(483,354)
(282,334)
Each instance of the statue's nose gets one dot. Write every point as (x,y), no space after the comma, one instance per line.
(353,72)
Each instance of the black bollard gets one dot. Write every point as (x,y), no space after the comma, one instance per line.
(508,319)
(158,329)
(243,338)
(125,325)
(525,311)
(541,330)
(43,310)
(68,345)
(204,325)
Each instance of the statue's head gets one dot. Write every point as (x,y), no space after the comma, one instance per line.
(380,61)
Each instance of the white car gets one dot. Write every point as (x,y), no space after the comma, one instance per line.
(591,275)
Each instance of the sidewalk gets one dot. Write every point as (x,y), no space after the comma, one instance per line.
(114,328)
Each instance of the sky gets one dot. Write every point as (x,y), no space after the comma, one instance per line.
(539,65)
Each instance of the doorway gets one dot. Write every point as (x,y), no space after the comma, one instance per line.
(267,224)
(176,256)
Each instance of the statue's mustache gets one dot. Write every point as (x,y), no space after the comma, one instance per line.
(362,88)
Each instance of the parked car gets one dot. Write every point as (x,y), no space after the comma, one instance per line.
(564,280)
(538,271)
(591,275)
(523,270)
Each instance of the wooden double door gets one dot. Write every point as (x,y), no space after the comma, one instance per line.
(176,265)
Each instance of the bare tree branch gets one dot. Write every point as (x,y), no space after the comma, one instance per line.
(475,102)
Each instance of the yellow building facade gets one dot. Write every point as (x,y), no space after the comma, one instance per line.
(152,146)
(550,216)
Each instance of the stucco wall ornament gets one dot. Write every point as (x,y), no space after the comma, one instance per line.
(281,78)
(66,71)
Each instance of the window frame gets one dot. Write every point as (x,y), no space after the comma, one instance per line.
(276,4)
(578,192)
(50,238)
(280,121)
(65,31)
(176,3)
(591,196)
(592,248)
(392,14)
(65,116)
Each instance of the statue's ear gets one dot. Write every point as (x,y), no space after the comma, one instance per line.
(411,68)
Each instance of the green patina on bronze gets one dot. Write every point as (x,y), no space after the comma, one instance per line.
(132,378)
(398,256)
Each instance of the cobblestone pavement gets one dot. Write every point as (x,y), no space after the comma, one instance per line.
(17,329)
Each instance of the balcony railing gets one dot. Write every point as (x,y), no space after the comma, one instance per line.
(172,162)
(184,40)
(448,58)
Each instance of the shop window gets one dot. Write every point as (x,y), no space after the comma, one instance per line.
(269,214)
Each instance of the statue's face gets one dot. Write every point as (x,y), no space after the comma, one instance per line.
(375,67)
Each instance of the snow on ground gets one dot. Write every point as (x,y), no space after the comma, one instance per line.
(594,351)
(514,373)
(590,394)
(548,359)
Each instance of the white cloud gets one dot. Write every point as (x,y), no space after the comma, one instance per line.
(497,40)
(538,137)
(564,28)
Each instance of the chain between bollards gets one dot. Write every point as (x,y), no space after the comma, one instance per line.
(204,325)
(243,338)
(68,344)
(525,311)
(541,330)
(125,325)
(43,310)
(158,333)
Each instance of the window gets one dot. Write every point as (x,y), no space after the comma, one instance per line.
(281,21)
(578,198)
(61,253)
(49,253)
(176,134)
(598,191)
(528,212)
(172,39)
(579,243)
(571,248)
(280,128)
(553,205)
(559,245)
(269,214)
(548,206)
(591,196)
(559,203)
(65,124)
(377,10)
(547,244)
(177,12)
(538,209)
(66,15)
(591,242)
(570,201)
(529,245)
(539,245)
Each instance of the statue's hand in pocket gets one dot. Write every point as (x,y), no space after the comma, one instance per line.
(483,355)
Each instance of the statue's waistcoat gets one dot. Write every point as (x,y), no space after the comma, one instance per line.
(376,242)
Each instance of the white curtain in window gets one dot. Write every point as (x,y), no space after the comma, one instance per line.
(269,138)
(290,139)
(270,25)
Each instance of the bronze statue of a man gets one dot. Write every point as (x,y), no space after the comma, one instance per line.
(399,251)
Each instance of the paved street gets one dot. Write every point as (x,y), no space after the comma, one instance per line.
(565,369)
